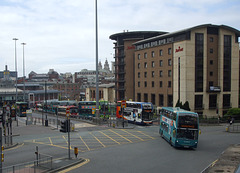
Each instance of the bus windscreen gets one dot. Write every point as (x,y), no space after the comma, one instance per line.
(188,121)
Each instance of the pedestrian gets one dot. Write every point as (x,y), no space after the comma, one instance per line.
(231,121)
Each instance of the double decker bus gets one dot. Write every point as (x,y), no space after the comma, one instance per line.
(136,112)
(73,110)
(87,109)
(179,127)
(21,108)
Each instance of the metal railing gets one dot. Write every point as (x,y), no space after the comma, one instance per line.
(43,164)
(233,128)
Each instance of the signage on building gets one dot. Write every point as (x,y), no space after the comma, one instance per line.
(131,47)
(179,49)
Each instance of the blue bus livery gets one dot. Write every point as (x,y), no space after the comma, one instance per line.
(179,127)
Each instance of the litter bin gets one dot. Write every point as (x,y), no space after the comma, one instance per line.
(46,122)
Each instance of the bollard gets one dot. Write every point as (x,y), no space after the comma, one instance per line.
(227,128)
(76,151)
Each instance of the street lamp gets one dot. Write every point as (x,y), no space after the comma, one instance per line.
(15,39)
(24,99)
(97,89)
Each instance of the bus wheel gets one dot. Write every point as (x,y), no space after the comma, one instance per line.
(171,141)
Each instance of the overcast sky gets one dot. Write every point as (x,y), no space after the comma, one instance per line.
(60,34)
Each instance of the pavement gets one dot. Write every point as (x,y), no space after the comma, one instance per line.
(58,164)
(228,162)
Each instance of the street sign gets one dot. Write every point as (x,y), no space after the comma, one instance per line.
(123,104)
(67,112)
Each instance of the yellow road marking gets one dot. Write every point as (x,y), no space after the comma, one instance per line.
(75,167)
(121,136)
(84,143)
(18,146)
(59,146)
(50,140)
(109,137)
(146,135)
(98,140)
(132,134)
(67,141)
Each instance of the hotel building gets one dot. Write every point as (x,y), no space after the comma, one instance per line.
(199,65)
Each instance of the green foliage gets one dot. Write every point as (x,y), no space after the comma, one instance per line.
(185,106)
(234,112)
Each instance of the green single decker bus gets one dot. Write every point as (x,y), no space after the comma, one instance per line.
(179,127)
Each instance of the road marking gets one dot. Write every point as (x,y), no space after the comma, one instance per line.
(132,134)
(75,167)
(97,140)
(109,137)
(18,146)
(146,134)
(85,143)
(50,140)
(121,136)
(67,141)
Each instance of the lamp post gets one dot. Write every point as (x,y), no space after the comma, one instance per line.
(15,39)
(24,99)
(97,89)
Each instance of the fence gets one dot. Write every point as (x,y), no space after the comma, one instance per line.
(43,164)
(233,128)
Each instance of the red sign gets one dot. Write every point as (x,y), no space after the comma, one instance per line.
(131,47)
(123,104)
(179,49)
(67,112)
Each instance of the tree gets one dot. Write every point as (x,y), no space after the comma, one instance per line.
(186,106)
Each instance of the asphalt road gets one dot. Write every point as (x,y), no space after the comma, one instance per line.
(140,149)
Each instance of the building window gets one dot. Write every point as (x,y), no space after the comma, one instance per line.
(211,39)
(152,73)
(153,54)
(153,99)
(145,84)
(138,84)
(138,65)
(153,64)
(145,74)
(169,73)
(161,73)
(160,84)
(145,55)
(227,63)
(213,101)
(226,100)
(199,62)
(211,50)
(169,51)
(211,62)
(169,62)
(138,74)
(169,84)
(145,65)
(139,97)
(161,99)
(152,84)
(139,56)
(198,102)
(170,100)
(211,73)
(145,97)
(161,52)
(161,63)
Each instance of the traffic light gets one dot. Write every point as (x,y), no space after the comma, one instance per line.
(65,126)
(1,118)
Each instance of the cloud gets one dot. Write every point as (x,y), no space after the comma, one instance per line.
(60,34)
